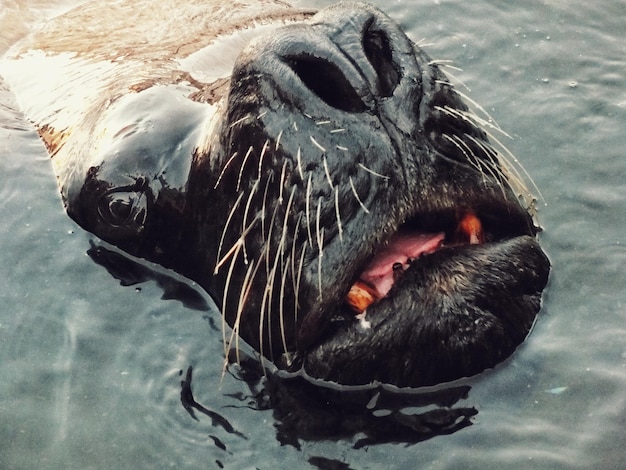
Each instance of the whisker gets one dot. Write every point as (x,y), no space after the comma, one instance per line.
(263,151)
(243,164)
(456,79)
(356,195)
(270,176)
(513,167)
(244,221)
(280,134)
(280,250)
(235,326)
(246,286)
(317,144)
(294,240)
(490,121)
(228,220)
(328,178)
(466,151)
(421,44)
(448,66)
(307,203)
(239,121)
(299,160)
(298,279)
(282,182)
(320,244)
(281,307)
(491,166)
(219,179)
(269,238)
(338,215)
(266,306)
(236,246)
(373,172)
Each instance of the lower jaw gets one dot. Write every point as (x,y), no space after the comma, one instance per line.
(453,314)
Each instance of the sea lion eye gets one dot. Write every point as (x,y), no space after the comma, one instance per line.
(124,209)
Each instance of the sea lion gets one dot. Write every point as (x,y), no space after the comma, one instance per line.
(317,173)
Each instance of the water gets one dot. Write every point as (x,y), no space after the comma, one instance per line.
(89,376)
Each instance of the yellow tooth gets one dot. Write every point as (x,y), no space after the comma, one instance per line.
(471,228)
(361,296)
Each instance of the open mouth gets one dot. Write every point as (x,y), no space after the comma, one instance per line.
(412,242)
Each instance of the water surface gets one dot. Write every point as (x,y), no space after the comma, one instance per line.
(89,376)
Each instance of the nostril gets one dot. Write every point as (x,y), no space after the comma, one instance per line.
(378,51)
(328,82)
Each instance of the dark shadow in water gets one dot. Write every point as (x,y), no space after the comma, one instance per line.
(189,403)
(130,273)
(306,409)
(309,411)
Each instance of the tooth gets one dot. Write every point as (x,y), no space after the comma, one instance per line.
(361,296)
(471,228)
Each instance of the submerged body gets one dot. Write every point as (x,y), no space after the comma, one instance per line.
(316,173)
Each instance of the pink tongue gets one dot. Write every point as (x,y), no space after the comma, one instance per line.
(402,248)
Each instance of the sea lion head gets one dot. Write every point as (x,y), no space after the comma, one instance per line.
(332,191)
(342,143)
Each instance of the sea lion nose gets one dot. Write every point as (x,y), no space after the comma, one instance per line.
(328,82)
(359,65)
(351,58)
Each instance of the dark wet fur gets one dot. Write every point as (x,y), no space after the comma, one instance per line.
(337,133)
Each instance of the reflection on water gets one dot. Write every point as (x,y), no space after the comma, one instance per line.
(91,369)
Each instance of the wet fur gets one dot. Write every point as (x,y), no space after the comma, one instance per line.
(292,186)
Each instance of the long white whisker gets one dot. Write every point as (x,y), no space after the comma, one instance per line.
(328,178)
(299,160)
(244,292)
(236,246)
(281,308)
(219,179)
(307,203)
(356,195)
(317,144)
(490,121)
(228,220)
(338,215)
(294,253)
(298,279)
(235,326)
(282,182)
(243,164)
(264,203)
(513,167)
(261,156)
(456,79)
(320,245)
(467,152)
(244,221)
(369,170)
(239,121)
(489,165)
(280,134)
(280,249)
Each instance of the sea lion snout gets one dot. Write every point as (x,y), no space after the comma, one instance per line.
(347,59)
